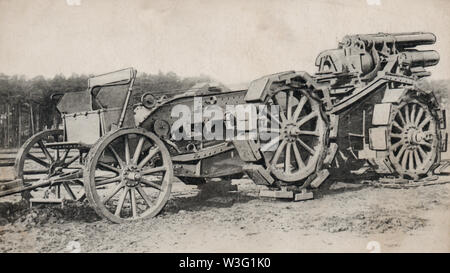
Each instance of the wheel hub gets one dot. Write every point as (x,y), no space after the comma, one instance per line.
(131,175)
(291,131)
(55,168)
(413,137)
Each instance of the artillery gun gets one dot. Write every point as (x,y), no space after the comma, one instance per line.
(361,114)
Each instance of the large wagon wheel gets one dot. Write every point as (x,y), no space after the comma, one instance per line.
(297,146)
(128,175)
(413,138)
(36,161)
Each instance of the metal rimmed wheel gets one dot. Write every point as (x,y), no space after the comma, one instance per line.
(412,139)
(298,141)
(40,157)
(128,175)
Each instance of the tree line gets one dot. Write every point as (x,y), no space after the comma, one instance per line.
(26,106)
(18,88)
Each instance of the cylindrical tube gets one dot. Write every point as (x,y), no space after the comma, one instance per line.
(404,40)
(420,58)
(414,39)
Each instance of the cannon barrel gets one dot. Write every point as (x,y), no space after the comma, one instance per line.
(418,58)
(404,40)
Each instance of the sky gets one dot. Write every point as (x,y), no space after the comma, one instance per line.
(231,41)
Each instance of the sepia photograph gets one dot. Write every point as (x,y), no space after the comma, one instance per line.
(224,126)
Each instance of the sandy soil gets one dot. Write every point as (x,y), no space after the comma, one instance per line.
(347,217)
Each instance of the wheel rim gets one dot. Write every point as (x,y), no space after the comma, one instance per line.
(301,135)
(412,139)
(36,161)
(129,175)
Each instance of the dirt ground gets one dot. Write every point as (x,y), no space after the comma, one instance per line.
(344,218)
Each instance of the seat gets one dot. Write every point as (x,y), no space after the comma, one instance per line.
(75,102)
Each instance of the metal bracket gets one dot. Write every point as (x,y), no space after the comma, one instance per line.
(248,150)
(304,195)
(320,178)
(283,193)
(207,152)
(258,174)
(330,154)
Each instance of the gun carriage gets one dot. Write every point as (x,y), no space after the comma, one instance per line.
(361,114)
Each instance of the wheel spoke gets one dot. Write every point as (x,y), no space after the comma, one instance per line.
(45,151)
(396,135)
(306,118)
(150,183)
(273,118)
(404,160)
(127,150)
(411,160)
(407,117)
(38,160)
(269,144)
(424,122)
(310,133)
(277,154)
(422,152)
(304,145)
(109,167)
(116,155)
(66,153)
(108,181)
(400,153)
(400,115)
(151,153)
(299,108)
(154,170)
(69,191)
(396,145)
(424,143)
(282,116)
(287,159)
(144,196)
(113,192)
(121,202)
(417,158)
(413,113)
(269,130)
(289,104)
(137,152)
(397,125)
(133,202)
(73,159)
(298,158)
(419,116)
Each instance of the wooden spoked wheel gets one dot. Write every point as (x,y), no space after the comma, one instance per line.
(298,140)
(128,175)
(41,158)
(412,138)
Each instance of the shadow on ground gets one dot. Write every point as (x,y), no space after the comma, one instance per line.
(214,194)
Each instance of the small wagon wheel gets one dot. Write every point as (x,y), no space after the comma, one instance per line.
(128,175)
(412,138)
(298,141)
(36,160)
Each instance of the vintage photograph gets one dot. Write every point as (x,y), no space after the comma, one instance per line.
(224,126)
